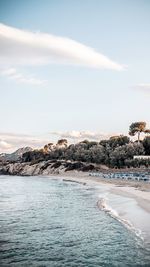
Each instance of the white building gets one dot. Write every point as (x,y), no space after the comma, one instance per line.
(141,157)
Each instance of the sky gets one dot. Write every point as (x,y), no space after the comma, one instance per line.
(72,69)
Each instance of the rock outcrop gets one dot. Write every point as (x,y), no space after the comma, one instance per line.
(43,167)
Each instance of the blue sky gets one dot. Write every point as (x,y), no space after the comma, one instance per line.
(58,97)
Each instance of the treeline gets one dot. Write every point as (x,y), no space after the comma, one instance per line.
(117,152)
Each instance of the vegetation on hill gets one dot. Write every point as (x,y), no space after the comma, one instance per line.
(117,152)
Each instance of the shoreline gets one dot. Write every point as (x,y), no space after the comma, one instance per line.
(140,191)
(128,201)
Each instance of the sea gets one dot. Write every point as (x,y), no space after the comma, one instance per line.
(50,222)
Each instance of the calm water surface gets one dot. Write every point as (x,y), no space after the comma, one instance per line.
(48,222)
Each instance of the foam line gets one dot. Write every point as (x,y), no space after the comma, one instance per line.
(102,205)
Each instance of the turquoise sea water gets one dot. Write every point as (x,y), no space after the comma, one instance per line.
(48,222)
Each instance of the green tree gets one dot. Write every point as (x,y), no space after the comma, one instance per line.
(122,153)
(119,140)
(138,128)
(146,144)
(147,131)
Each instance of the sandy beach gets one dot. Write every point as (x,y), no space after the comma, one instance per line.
(129,199)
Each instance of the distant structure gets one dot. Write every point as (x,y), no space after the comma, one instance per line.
(141,157)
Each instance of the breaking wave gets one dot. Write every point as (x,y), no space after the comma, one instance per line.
(102,205)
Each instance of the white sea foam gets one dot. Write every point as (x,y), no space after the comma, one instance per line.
(102,204)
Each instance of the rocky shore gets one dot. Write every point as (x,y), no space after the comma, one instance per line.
(43,167)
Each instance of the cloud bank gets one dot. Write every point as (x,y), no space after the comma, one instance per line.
(21,47)
(81,135)
(9,142)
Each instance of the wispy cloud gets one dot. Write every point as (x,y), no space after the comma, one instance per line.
(21,47)
(13,74)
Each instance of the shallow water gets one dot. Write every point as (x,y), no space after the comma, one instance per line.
(48,222)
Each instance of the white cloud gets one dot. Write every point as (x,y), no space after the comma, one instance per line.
(13,74)
(81,135)
(21,47)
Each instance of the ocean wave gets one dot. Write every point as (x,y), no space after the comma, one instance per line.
(103,205)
